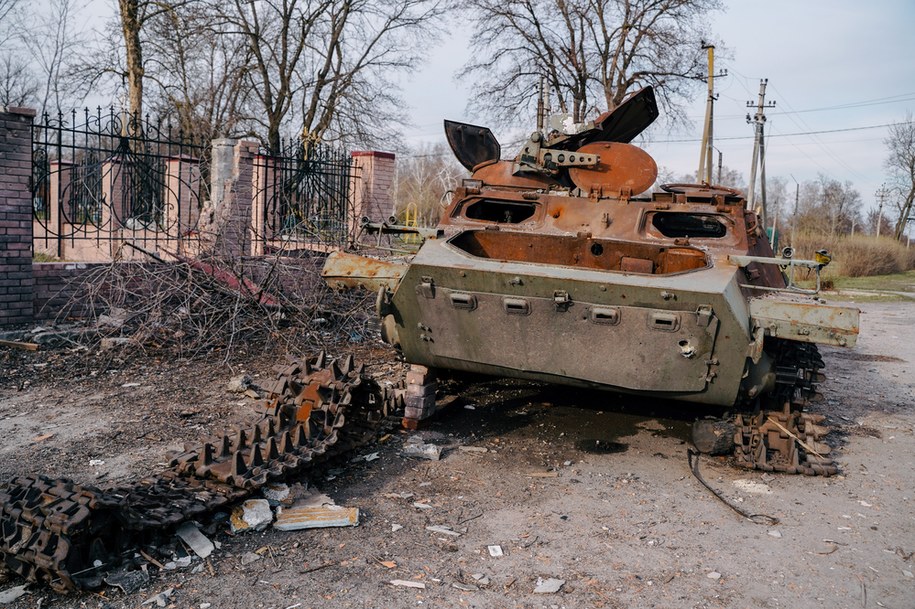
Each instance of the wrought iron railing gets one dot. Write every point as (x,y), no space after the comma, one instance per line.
(108,177)
(305,196)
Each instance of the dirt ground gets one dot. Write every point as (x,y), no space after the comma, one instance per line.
(590,488)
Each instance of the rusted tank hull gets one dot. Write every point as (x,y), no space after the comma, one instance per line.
(570,325)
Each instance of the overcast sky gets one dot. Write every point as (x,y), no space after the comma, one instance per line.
(832,65)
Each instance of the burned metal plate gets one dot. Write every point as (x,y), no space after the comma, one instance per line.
(670,349)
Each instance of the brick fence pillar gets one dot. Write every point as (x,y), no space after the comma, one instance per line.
(373,181)
(228,225)
(16,278)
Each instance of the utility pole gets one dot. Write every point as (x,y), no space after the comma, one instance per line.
(881,196)
(797,197)
(759,150)
(705,152)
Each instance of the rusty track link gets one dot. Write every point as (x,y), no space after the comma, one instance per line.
(62,534)
(786,439)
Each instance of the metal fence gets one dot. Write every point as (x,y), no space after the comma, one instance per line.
(304,197)
(100,179)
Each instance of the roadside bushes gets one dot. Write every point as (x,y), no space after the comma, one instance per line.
(856,255)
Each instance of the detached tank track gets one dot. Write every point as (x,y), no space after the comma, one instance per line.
(63,534)
(784,438)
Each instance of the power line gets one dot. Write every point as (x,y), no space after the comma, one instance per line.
(750,137)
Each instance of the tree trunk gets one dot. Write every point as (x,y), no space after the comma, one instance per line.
(131,24)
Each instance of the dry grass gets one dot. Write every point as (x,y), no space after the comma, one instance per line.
(858,255)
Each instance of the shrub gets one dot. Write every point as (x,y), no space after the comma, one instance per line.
(857,255)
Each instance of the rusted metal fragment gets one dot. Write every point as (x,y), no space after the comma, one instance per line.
(806,321)
(344,270)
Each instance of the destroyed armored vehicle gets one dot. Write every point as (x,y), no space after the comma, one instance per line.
(558,266)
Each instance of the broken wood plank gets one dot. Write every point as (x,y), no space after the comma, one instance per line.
(15,344)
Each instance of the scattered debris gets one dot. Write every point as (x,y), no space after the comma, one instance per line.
(112,342)
(713,575)
(417,449)
(396,527)
(96,462)
(481,579)
(131,385)
(196,541)
(128,581)
(43,437)
(422,506)
(239,384)
(399,495)
(161,599)
(250,557)
(775,533)
(749,486)
(495,551)
(407,583)
(548,586)
(371,457)
(278,493)
(473,449)
(314,512)
(253,514)
(11,594)
(464,587)
(390,564)
(543,475)
(443,530)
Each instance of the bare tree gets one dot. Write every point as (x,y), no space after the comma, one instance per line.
(48,37)
(17,86)
(592,53)
(901,165)
(424,178)
(829,206)
(332,59)
(197,71)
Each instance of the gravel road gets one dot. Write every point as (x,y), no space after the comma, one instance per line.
(588,488)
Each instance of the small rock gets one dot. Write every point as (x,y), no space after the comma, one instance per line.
(407,583)
(113,341)
(473,449)
(249,557)
(422,506)
(481,579)
(161,599)
(907,573)
(128,581)
(205,605)
(277,493)
(419,450)
(548,586)
(443,531)
(252,515)
(170,566)
(131,385)
(396,527)
(197,541)
(183,562)
(713,575)
(239,384)
(495,551)
(775,533)
(464,587)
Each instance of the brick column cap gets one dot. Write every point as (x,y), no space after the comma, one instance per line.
(373,153)
(30,112)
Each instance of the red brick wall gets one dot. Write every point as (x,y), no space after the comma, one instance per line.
(16,280)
